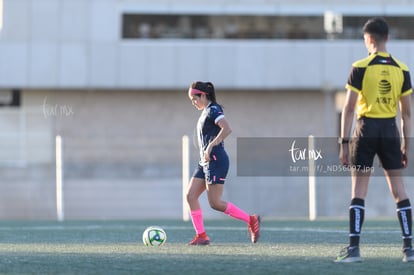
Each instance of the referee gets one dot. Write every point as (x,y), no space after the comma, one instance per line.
(376,86)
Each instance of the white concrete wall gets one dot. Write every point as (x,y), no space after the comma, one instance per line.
(122,155)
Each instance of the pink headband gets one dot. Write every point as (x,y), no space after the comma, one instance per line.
(193,91)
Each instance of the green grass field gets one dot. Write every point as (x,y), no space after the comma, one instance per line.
(115,247)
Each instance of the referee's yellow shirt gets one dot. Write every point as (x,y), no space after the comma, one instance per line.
(380,80)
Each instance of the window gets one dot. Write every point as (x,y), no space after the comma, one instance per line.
(221,26)
(10,98)
(185,26)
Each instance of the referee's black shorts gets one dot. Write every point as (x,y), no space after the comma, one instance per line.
(376,136)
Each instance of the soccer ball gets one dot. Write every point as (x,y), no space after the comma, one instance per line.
(154,236)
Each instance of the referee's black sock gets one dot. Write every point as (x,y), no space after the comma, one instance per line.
(356,219)
(405,217)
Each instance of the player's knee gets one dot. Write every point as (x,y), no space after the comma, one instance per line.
(191,197)
(216,205)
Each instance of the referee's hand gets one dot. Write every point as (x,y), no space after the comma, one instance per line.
(404,160)
(344,154)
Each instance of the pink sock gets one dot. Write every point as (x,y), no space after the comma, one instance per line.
(235,212)
(198,223)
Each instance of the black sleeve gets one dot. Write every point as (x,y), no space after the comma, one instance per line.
(407,82)
(355,77)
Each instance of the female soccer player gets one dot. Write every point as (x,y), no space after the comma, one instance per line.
(212,129)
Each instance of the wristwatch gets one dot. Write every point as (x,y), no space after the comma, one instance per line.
(343,140)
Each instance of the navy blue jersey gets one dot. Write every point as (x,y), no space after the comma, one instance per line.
(207,128)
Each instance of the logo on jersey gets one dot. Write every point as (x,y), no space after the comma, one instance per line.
(384,87)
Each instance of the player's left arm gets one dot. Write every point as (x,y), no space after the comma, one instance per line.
(225,131)
(405,108)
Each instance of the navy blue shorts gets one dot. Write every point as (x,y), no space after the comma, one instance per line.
(379,137)
(216,170)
